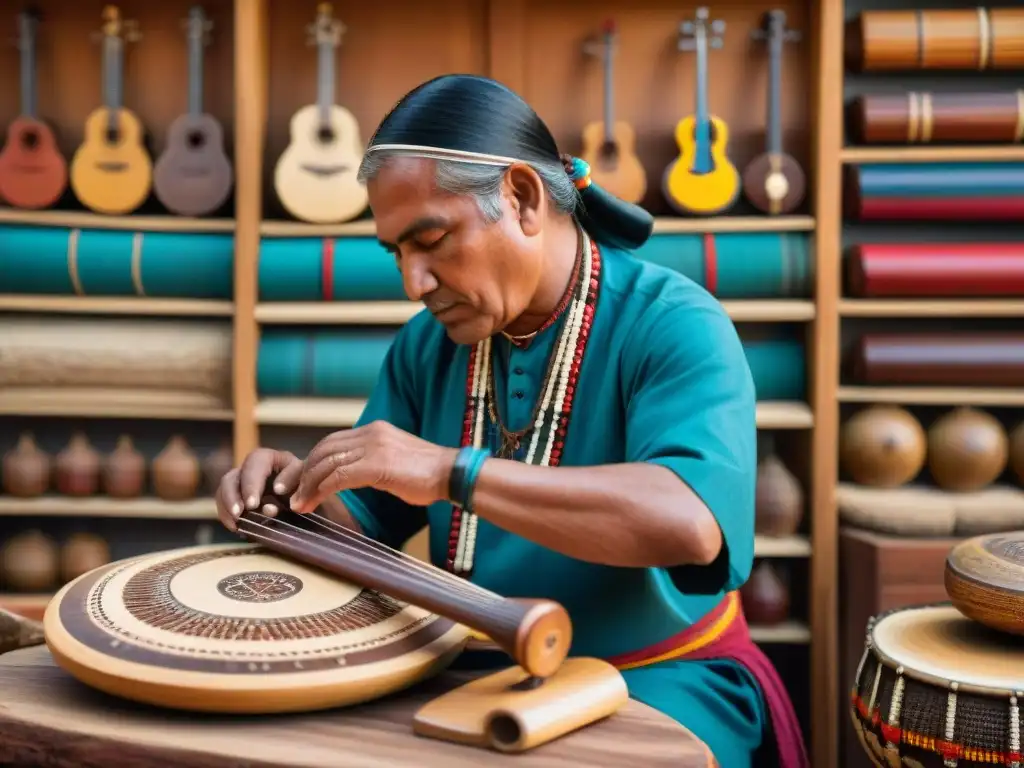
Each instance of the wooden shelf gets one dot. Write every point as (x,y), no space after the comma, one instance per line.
(931,307)
(116,305)
(76,404)
(662,225)
(344,412)
(782,546)
(932,396)
(398,312)
(84,220)
(786,633)
(104,506)
(966,154)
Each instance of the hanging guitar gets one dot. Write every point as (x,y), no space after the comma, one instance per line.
(315,177)
(111,172)
(609,146)
(193,176)
(33,172)
(774,181)
(702,180)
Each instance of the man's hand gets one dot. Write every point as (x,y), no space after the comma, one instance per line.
(243,488)
(377,455)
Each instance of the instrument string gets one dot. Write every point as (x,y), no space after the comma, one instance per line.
(486,603)
(486,615)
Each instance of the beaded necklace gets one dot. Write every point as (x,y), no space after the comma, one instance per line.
(554,407)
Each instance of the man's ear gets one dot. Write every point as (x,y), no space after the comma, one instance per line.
(525,192)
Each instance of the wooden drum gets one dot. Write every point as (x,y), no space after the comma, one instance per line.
(237,629)
(935,688)
(984,578)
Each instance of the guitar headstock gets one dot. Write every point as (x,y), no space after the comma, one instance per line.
(701,29)
(28,23)
(603,44)
(197,25)
(326,30)
(773,27)
(116,28)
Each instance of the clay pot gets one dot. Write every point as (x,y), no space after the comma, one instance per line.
(967,449)
(124,471)
(765,596)
(882,446)
(78,467)
(26,468)
(81,553)
(216,465)
(176,471)
(779,500)
(1017,452)
(29,562)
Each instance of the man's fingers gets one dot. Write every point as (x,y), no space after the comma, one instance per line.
(336,472)
(229,503)
(256,470)
(332,444)
(287,479)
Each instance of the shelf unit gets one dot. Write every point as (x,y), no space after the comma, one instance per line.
(258,123)
(849,314)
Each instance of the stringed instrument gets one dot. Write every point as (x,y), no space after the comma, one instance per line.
(111,172)
(702,180)
(774,182)
(193,176)
(33,172)
(609,146)
(308,615)
(316,175)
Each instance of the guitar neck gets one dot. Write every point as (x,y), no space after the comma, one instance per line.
(774,139)
(608,93)
(195,75)
(28,65)
(113,62)
(325,79)
(702,77)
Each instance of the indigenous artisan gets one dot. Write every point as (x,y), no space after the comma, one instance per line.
(571,422)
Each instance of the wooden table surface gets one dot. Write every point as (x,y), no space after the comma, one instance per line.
(49,718)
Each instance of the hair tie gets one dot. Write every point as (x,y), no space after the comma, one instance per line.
(578,170)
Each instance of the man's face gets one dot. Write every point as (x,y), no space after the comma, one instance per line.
(475,276)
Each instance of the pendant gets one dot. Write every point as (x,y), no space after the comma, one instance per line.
(509,445)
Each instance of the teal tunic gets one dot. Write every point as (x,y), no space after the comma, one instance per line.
(664,380)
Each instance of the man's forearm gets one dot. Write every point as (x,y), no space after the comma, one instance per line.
(334,509)
(629,515)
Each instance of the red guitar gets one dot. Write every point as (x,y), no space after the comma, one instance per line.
(33,173)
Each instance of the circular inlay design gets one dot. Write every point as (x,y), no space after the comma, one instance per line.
(259,586)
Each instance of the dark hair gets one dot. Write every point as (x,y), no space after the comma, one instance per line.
(476,114)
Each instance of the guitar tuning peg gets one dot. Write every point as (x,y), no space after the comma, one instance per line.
(718,26)
(715,42)
(687,27)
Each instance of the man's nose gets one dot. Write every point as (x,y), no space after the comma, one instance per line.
(417,279)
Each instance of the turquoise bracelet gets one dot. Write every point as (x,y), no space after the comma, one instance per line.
(464,474)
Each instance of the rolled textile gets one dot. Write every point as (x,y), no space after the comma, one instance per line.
(345,362)
(105,262)
(936,191)
(940,359)
(981,117)
(948,270)
(940,39)
(732,265)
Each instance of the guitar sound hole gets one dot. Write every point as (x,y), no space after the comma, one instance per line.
(30,140)
(325,134)
(113,135)
(196,139)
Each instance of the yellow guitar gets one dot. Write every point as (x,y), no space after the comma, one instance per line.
(111,171)
(702,180)
(315,177)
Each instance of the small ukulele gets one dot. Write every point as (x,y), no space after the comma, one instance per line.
(33,172)
(774,181)
(609,147)
(315,177)
(111,171)
(702,180)
(193,176)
